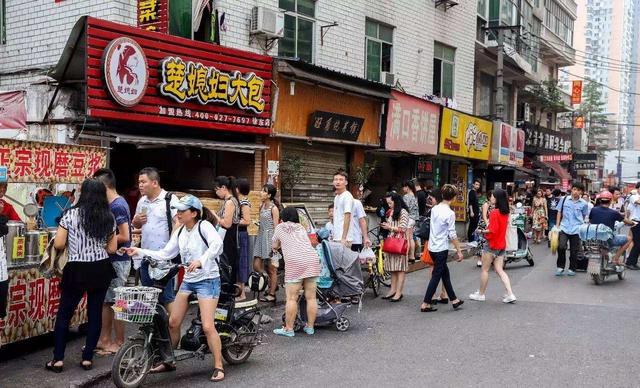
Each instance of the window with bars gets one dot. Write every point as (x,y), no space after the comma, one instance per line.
(443,70)
(299,28)
(378,48)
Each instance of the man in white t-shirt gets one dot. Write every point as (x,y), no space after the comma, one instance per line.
(342,209)
(634,214)
(359,231)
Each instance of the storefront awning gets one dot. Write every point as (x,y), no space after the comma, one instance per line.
(336,80)
(560,171)
(245,148)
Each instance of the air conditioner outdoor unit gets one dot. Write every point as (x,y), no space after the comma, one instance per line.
(267,22)
(388,78)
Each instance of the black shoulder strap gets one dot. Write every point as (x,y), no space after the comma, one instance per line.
(202,235)
(167,200)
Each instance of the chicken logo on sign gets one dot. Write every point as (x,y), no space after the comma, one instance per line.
(125,71)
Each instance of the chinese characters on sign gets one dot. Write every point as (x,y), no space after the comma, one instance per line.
(334,126)
(576,92)
(507,145)
(152,15)
(555,158)
(541,139)
(424,166)
(459,179)
(465,135)
(48,162)
(125,71)
(412,125)
(171,111)
(32,305)
(584,165)
(183,81)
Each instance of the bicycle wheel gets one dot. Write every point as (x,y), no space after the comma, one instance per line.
(131,364)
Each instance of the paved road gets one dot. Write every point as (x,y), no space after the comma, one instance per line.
(563,332)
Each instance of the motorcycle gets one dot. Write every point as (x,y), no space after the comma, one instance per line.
(237,323)
(600,266)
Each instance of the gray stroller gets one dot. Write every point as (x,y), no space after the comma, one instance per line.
(339,283)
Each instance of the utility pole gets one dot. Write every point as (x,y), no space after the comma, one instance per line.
(500,67)
(619,166)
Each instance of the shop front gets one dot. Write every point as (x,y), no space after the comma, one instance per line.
(192,109)
(42,180)
(550,153)
(465,145)
(325,121)
(506,164)
(410,145)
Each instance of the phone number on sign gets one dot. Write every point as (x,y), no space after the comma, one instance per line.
(217,117)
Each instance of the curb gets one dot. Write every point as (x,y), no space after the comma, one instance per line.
(91,380)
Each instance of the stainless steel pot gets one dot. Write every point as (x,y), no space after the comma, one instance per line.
(32,246)
(16,229)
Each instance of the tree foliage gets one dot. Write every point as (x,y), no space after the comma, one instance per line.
(292,173)
(592,109)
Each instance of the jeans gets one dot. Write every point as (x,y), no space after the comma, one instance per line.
(204,289)
(440,272)
(168,294)
(635,251)
(473,225)
(575,242)
(69,298)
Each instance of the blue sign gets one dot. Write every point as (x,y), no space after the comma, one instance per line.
(3,174)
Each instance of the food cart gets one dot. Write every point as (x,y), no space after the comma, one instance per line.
(42,178)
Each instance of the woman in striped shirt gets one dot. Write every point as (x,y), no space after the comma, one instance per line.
(301,269)
(87,230)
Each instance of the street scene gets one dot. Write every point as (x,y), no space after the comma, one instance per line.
(289,192)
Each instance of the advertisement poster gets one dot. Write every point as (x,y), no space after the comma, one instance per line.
(464,135)
(459,179)
(508,145)
(412,125)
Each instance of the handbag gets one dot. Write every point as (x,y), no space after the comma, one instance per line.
(396,244)
(426,256)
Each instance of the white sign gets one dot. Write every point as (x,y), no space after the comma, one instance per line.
(126,72)
(273,167)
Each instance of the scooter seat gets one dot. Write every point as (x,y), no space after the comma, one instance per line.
(245,304)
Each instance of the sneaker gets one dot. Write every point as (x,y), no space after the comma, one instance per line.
(309,330)
(509,299)
(560,272)
(477,296)
(479,263)
(284,332)
(571,273)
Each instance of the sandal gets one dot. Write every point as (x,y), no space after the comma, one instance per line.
(51,366)
(86,364)
(216,372)
(429,309)
(163,368)
(270,298)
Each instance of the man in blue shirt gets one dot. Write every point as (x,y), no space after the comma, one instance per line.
(572,210)
(603,214)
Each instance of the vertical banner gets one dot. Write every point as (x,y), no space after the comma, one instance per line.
(459,180)
(153,15)
(576,92)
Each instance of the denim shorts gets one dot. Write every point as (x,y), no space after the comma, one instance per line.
(205,289)
(168,294)
(121,269)
(495,252)
(619,240)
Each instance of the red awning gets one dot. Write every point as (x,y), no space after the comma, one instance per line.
(560,171)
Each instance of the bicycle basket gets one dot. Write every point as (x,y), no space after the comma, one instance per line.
(135,304)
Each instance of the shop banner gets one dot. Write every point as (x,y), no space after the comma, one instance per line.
(459,179)
(542,140)
(141,76)
(153,15)
(507,145)
(584,165)
(28,161)
(334,126)
(464,135)
(555,158)
(32,304)
(412,125)
(576,92)
(13,111)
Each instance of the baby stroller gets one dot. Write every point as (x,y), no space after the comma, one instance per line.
(340,280)
(517,243)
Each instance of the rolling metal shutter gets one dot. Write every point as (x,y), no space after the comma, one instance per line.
(320,162)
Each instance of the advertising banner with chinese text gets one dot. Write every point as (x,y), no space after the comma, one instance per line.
(141,76)
(464,135)
(507,145)
(576,92)
(13,111)
(412,125)
(153,15)
(459,180)
(28,161)
(32,304)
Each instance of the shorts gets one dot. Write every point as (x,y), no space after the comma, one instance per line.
(618,240)
(204,289)
(313,279)
(122,269)
(168,294)
(495,252)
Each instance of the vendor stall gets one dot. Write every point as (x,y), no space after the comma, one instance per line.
(42,178)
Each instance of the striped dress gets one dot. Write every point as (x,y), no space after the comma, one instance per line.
(397,263)
(301,261)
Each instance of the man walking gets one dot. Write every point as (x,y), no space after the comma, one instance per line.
(634,215)
(359,234)
(156,217)
(121,264)
(342,209)
(474,210)
(572,211)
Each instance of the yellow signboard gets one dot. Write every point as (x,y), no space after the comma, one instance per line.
(459,180)
(464,135)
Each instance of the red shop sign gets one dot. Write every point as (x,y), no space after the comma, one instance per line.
(188,83)
(555,158)
(412,125)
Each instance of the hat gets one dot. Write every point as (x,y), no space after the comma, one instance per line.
(606,195)
(188,202)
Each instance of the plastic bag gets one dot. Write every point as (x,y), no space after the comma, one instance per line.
(554,235)
(366,255)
